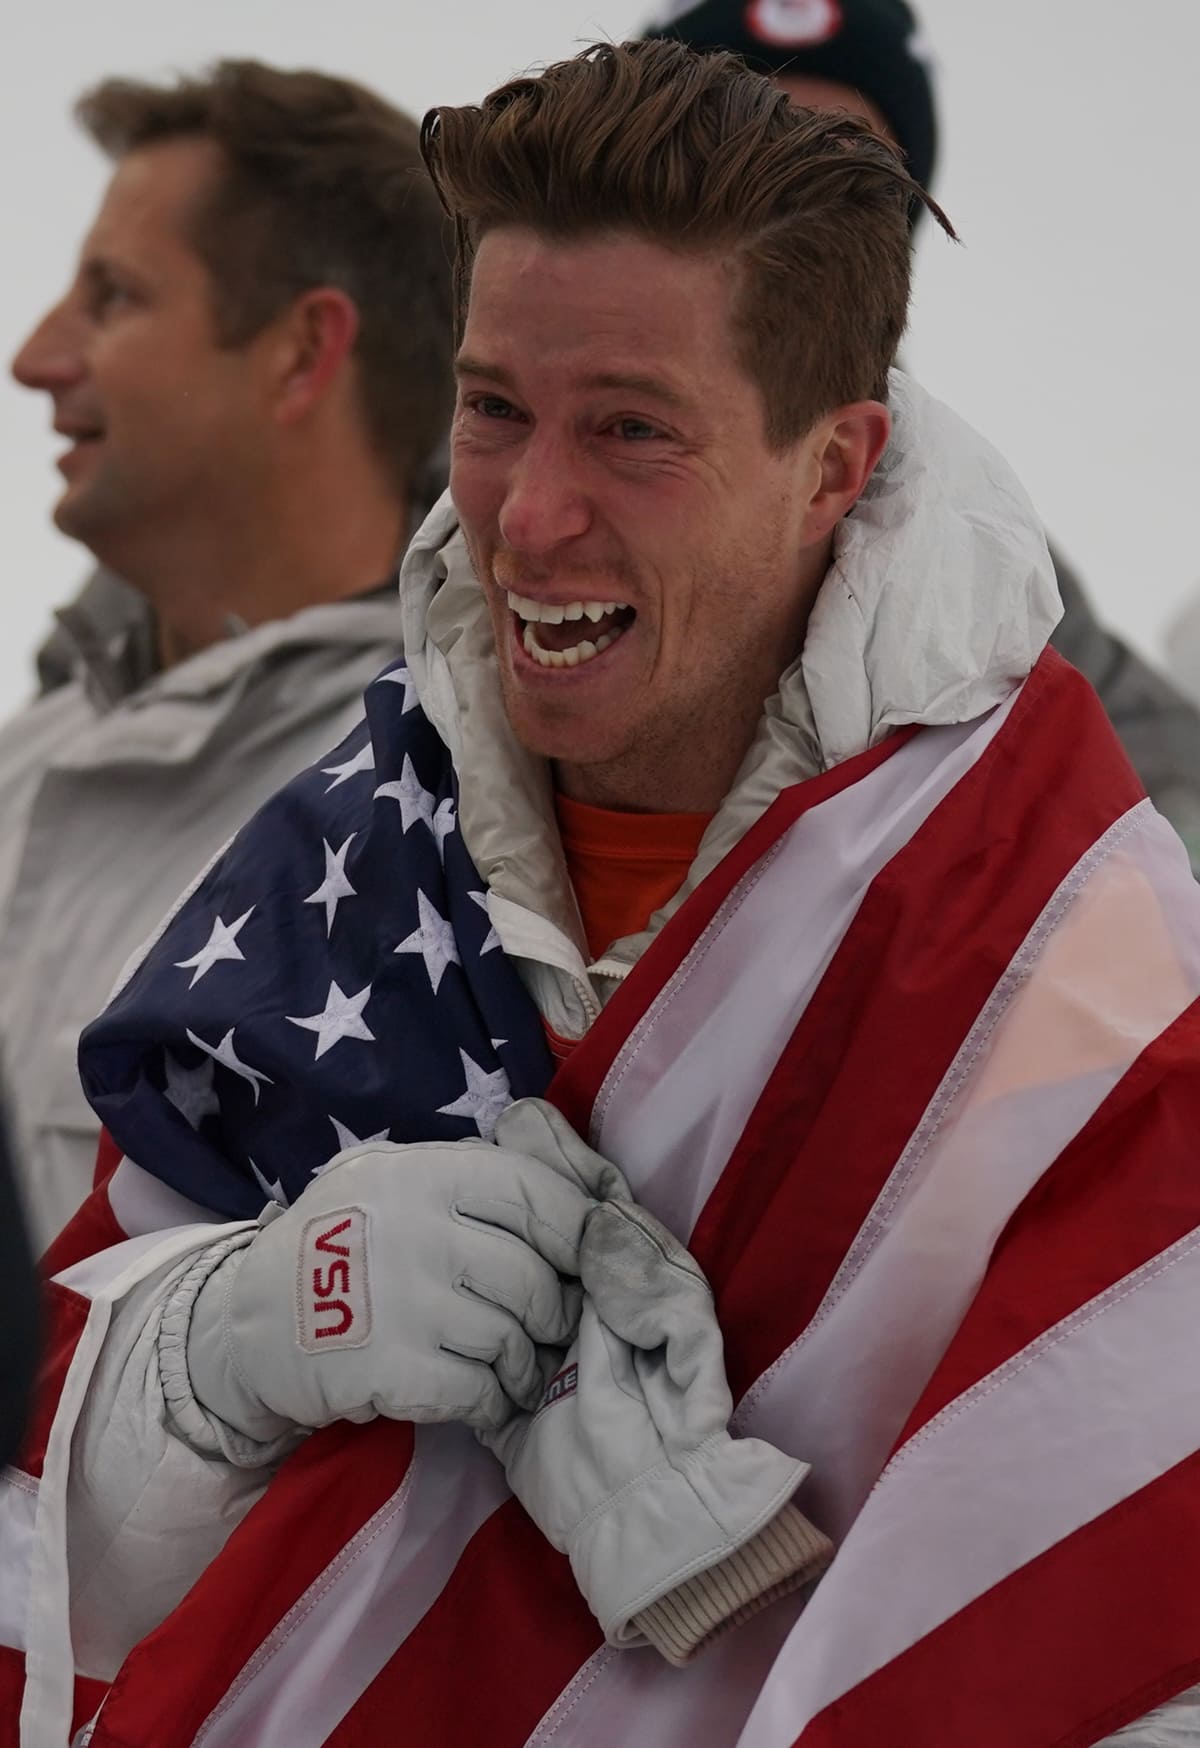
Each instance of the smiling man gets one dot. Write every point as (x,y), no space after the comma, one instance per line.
(246,430)
(727,765)
(609,442)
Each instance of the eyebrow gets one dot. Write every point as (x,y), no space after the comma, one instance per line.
(102,265)
(629,382)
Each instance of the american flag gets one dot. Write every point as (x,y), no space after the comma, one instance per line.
(916,1073)
(333,979)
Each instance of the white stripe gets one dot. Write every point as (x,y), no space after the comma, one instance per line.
(1049,1442)
(738,996)
(18,1510)
(333,1643)
(143,1204)
(1089,995)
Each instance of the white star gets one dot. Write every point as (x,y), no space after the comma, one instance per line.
(363,760)
(491,939)
(402,677)
(190,1090)
(434,939)
(415,802)
(340,1018)
(335,885)
(221,944)
(347,1139)
(227,1056)
(273,1191)
(487,1095)
(444,822)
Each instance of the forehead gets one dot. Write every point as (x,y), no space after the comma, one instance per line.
(808,92)
(153,197)
(614,302)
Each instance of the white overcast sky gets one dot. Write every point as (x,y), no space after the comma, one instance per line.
(1065,328)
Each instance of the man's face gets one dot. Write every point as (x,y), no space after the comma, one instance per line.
(157,415)
(641,548)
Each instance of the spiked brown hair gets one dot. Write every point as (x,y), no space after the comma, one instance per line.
(698,153)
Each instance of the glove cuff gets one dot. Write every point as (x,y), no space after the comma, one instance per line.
(674,1523)
(787,1554)
(195,1370)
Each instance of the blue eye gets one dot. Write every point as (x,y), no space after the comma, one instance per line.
(637,430)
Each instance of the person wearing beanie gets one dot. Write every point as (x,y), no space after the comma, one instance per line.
(870,57)
(867,56)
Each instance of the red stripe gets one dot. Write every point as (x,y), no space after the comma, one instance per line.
(577,1084)
(1125,1189)
(1086,1638)
(505,1637)
(65,1313)
(937,929)
(88,1694)
(321,1498)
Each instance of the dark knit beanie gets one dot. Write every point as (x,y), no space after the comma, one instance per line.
(873,46)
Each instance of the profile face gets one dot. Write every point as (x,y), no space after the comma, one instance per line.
(154,410)
(635,537)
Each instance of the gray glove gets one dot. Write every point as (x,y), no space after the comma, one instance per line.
(674,1529)
(416,1282)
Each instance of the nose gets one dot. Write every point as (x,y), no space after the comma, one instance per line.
(51,358)
(545,503)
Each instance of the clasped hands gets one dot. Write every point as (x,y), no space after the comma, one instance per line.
(437,1282)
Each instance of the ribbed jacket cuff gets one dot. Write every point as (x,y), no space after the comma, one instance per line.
(187,1344)
(786,1554)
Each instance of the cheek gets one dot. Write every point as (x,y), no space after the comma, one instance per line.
(477,488)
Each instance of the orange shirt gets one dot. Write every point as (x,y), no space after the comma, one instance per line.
(622,866)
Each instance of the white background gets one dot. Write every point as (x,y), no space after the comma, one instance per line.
(1065,328)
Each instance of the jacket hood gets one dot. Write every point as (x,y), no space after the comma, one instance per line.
(941,595)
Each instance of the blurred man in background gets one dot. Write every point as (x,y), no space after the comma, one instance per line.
(250,370)
(868,57)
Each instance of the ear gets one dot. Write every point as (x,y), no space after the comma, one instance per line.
(847,445)
(314,338)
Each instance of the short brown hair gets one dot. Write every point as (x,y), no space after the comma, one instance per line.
(696,152)
(324,186)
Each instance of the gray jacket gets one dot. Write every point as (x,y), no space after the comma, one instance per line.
(116,787)
(1158,726)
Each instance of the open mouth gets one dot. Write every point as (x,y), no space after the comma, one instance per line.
(81,440)
(567,634)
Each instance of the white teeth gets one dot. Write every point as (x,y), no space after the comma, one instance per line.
(573,657)
(553,613)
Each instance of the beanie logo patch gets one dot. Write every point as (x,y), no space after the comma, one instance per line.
(794,24)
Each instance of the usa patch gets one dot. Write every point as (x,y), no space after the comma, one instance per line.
(333,1301)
